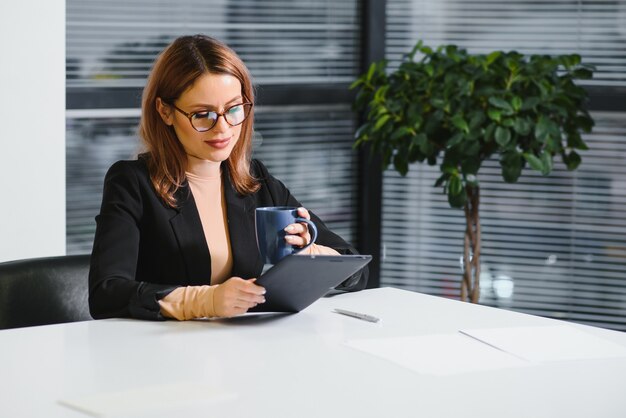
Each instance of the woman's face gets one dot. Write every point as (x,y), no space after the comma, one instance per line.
(212,92)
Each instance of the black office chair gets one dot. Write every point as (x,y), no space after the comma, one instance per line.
(42,291)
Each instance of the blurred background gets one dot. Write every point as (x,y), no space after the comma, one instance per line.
(553,246)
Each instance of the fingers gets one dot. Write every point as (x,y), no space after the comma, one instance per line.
(236,295)
(304,213)
(296,228)
(298,240)
(298,233)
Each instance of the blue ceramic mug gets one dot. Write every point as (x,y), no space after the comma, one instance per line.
(270,232)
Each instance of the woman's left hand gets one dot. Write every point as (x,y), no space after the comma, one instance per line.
(298,233)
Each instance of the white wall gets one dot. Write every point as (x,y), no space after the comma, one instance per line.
(32,128)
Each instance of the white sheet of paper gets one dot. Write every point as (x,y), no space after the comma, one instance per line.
(147,398)
(439,354)
(552,343)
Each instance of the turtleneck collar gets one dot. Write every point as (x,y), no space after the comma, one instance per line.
(202,169)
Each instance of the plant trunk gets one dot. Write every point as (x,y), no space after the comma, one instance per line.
(470,287)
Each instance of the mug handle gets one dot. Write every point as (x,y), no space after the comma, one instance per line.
(313,234)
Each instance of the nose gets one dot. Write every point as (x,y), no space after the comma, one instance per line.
(220,125)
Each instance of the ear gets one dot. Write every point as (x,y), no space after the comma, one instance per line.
(165,111)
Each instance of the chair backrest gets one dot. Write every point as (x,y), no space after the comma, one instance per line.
(42,291)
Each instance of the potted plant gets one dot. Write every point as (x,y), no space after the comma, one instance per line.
(462,109)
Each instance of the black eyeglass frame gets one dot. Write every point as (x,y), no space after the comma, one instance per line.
(190,115)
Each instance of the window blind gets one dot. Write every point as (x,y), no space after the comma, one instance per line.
(594,29)
(113,43)
(553,246)
(307,148)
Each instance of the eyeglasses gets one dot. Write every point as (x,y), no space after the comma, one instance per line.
(205,120)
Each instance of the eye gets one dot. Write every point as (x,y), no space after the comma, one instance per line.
(202,115)
(235,109)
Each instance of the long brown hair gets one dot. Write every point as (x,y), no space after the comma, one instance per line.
(174,71)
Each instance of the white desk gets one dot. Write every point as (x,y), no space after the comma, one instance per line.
(298,366)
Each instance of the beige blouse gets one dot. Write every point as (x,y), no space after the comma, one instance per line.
(197,301)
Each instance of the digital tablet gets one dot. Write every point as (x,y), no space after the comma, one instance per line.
(299,280)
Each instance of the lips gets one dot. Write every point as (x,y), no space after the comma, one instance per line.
(218,142)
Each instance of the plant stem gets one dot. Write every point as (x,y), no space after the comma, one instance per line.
(476,244)
(470,287)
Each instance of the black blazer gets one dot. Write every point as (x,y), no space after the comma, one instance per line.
(143,249)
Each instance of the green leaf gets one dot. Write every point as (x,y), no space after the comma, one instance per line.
(572,161)
(438,102)
(419,139)
(458,200)
(400,132)
(569,61)
(530,103)
(503,136)
(585,122)
(415,154)
(489,130)
(516,102)
(493,56)
(494,114)
(427,148)
(546,161)
(417,123)
(380,122)
(455,186)
(471,148)
(426,50)
(476,120)
(417,47)
(534,162)
(448,166)
(521,126)
(508,122)
(362,99)
(460,123)
(379,96)
(542,129)
(582,74)
(455,139)
(401,163)
(552,145)
(362,130)
(470,166)
(501,103)
(511,163)
(575,141)
(356,83)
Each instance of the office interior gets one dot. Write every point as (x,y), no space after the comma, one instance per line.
(553,246)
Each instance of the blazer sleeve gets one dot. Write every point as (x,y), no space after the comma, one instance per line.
(283,197)
(113,290)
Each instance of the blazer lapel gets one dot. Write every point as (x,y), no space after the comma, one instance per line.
(191,240)
(247,262)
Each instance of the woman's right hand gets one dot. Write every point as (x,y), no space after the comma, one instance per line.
(236,295)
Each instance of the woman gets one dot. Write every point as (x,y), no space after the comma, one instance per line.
(175,235)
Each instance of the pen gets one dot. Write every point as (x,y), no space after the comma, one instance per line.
(364,317)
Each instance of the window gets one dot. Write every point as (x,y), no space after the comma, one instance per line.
(292,49)
(553,246)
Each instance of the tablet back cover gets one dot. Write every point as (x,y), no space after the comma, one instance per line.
(299,280)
